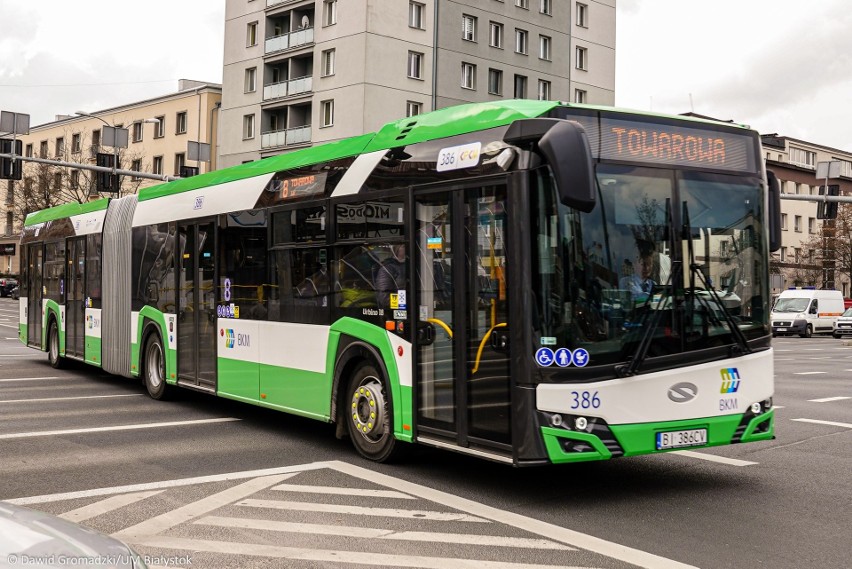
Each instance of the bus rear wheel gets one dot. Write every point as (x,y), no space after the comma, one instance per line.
(53,357)
(369,414)
(154,367)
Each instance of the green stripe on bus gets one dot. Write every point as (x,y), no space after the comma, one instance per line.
(92,351)
(65,210)
(641,438)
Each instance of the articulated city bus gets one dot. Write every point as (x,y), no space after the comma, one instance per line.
(529,282)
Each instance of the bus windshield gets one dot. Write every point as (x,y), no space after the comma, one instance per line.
(667,258)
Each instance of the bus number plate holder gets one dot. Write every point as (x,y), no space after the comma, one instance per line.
(681,439)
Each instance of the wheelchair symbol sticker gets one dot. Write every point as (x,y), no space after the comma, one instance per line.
(544,357)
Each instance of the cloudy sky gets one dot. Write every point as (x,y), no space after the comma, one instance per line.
(781,66)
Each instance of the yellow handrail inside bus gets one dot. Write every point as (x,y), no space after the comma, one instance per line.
(482,345)
(446,328)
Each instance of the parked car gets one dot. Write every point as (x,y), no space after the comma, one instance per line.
(30,537)
(843,325)
(15,292)
(7,284)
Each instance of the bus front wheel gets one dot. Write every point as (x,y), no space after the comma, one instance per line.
(154,370)
(53,357)
(369,414)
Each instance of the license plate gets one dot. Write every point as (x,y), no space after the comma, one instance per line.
(781,329)
(680,439)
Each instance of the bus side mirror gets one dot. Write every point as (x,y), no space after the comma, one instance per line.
(566,148)
(774,211)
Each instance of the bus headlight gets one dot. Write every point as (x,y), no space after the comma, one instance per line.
(756,408)
(580,423)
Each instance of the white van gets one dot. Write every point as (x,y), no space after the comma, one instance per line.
(806,311)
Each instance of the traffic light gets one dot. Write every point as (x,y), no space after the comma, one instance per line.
(828,210)
(11,170)
(107,182)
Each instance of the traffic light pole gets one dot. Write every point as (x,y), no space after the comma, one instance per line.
(78,166)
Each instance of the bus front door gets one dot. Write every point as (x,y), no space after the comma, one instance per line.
(462,361)
(197,306)
(34,294)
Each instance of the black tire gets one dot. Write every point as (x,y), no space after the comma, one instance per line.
(368,414)
(154,368)
(56,361)
(837,336)
(809,331)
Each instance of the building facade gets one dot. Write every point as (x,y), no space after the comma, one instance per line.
(154,146)
(803,259)
(301,72)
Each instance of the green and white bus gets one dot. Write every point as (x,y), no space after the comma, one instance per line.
(529,282)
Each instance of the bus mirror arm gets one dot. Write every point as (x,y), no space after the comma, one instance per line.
(774,194)
(566,148)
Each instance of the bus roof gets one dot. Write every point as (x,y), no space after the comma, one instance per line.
(442,123)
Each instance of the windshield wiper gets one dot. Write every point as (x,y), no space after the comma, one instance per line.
(695,270)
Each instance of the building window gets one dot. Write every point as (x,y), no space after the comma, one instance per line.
(157,165)
(415,65)
(546,7)
(57,180)
(60,146)
(413,108)
(803,157)
(784,221)
(582,15)
(28,152)
(251,34)
(521,41)
(328,62)
(797,223)
(160,127)
(543,90)
(496,39)
(251,80)
(180,120)
(180,162)
(580,96)
(468,28)
(811,225)
(582,58)
(525,4)
(468,78)
(415,15)
(76,145)
(327,113)
(248,127)
(520,87)
(75,179)
(137,131)
(43,149)
(495,82)
(783,254)
(544,47)
(329,12)
(136,166)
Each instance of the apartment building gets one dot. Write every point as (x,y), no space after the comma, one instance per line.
(159,130)
(301,72)
(802,260)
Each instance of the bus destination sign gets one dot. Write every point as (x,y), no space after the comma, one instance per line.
(676,145)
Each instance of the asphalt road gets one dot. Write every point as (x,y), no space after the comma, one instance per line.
(202,482)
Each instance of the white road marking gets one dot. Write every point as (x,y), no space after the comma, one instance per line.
(10,326)
(779,407)
(332,556)
(106,505)
(822,358)
(810,372)
(818,422)
(828,399)
(378,533)
(361,510)
(36,378)
(187,513)
(27,355)
(714,458)
(342,491)
(46,399)
(116,428)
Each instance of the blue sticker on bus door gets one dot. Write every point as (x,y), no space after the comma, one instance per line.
(563,357)
(581,357)
(544,357)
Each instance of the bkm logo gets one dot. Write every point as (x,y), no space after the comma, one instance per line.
(232,339)
(730,380)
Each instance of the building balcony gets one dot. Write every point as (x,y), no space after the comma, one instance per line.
(289,40)
(288,88)
(288,137)
(273,3)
